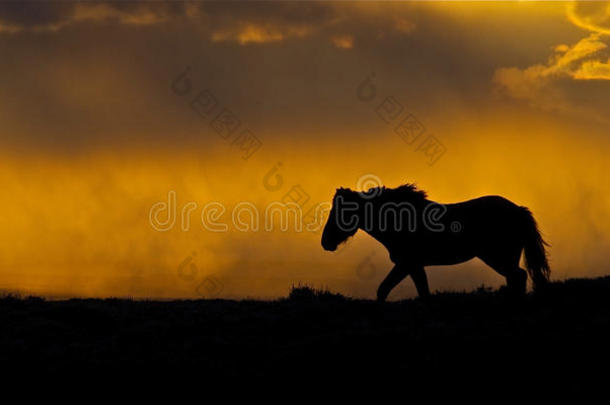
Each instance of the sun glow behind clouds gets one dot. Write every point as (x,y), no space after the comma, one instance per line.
(593,16)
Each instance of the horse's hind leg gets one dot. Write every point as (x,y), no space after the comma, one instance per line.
(517,281)
(508,266)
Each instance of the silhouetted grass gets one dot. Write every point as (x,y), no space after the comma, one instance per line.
(316,332)
(309,294)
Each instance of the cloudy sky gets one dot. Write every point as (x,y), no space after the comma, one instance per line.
(108,109)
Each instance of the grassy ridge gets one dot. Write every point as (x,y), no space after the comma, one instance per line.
(548,335)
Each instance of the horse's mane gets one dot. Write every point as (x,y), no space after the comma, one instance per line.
(406,192)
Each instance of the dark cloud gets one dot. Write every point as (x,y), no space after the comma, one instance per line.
(34,14)
(277,66)
(54,15)
(216,14)
(268,11)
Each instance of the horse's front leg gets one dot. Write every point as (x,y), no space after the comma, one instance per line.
(398,273)
(418,274)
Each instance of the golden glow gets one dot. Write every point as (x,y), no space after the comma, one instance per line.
(343,41)
(514,91)
(80,226)
(100,12)
(250,33)
(593,70)
(593,16)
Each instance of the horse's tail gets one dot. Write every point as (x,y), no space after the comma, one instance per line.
(536,260)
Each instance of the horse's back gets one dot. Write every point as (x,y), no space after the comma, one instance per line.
(484,208)
(488,201)
(469,228)
(488,220)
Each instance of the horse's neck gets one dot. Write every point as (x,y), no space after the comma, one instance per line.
(370,217)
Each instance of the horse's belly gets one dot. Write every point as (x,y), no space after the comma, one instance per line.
(447,259)
(444,254)
(433,255)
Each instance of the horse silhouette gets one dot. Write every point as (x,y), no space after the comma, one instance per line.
(418,232)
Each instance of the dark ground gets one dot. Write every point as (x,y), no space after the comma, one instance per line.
(558,337)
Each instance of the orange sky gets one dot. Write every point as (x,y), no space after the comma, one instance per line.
(93,135)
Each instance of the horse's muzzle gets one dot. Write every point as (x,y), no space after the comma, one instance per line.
(330,248)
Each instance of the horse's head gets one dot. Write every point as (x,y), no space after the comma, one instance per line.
(342,221)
